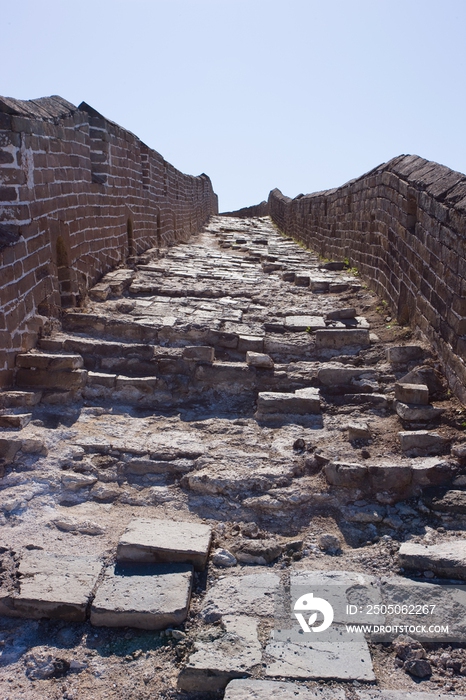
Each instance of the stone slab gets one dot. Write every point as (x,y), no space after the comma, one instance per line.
(412,393)
(332,659)
(444,559)
(149,597)
(307,401)
(47,379)
(400,354)
(302,323)
(158,541)
(55,586)
(417,413)
(346,313)
(338,338)
(375,694)
(254,343)
(233,654)
(49,361)
(421,442)
(199,353)
(250,689)
(241,595)
(259,359)
(334,374)
(15,420)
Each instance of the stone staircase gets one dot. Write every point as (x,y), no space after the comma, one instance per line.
(223,388)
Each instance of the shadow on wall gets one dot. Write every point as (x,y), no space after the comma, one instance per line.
(403,225)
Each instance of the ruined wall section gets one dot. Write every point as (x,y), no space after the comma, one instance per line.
(78,196)
(403,225)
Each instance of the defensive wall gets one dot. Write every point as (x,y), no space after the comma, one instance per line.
(403,225)
(78,196)
(261,209)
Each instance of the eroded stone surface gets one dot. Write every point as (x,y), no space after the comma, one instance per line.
(232,654)
(444,559)
(56,586)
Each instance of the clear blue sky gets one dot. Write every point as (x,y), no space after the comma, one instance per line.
(302,95)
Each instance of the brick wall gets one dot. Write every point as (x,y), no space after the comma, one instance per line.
(78,195)
(261,209)
(403,225)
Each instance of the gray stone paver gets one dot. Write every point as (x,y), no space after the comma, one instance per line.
(56,586)
(155,540)
(148,597)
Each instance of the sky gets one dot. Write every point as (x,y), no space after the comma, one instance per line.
(302,95)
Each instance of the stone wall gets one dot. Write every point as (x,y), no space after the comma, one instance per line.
(261,209)
(403,225)
(78,196)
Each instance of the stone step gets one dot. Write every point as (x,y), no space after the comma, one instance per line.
(15,420)
(420,443)
(53,586)
(150,597)
(405,479)
(61,380)
(446,559)
(234,654)
(50,362)
(151,541)
(301,402)
(342,338)
(91,346)
(19,399)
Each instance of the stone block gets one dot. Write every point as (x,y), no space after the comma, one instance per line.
(100,292)
(252,689)
(252,343)
(149,597)
(319,285)
(302,323)
(199,353)
(15,420)
(302,402)
(55,586)
(400,354)
(233,654)
(421,442)
(160,541)
(346,475)
(339,314)
(19,399)
(301,279)
(358,431)
(412,393)
(417,413)
(252,595)
(46,379)
(338,338)
(49,361)
(339,375)
(334,658)
(101,379)
(9,446)
(260,360)
(444,558)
